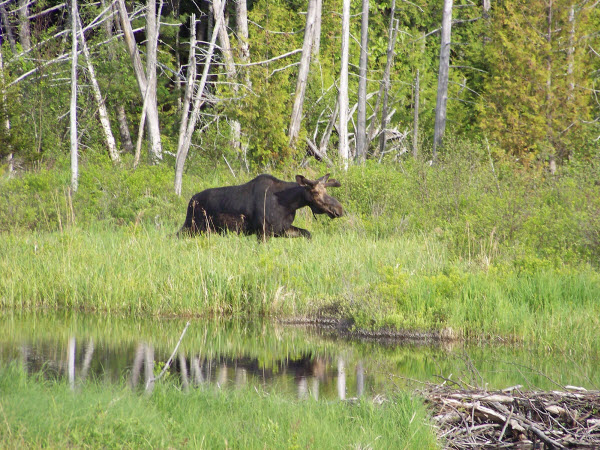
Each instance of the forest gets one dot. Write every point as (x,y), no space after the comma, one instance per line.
(259,84)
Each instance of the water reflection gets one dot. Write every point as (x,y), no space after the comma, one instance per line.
(302,363)
(306,376)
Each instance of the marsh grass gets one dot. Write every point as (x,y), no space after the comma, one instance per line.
(38,413)
(410,283)
(486,250)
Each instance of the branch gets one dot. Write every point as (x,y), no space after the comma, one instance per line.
(168,364)
(276,58)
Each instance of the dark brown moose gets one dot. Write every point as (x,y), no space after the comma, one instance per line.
(264,206)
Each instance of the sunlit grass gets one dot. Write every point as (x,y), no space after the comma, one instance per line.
(36,413)
(395,283)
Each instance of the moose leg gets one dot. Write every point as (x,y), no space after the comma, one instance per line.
(297,232)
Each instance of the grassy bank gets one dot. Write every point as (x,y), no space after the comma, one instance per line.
(483,248)
(41,413)
(407,283)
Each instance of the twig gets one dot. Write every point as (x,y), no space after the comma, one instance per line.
(168,364)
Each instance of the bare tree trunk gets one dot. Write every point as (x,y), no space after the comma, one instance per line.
(327,133)
(241,21)
(571,53)
(8,29)
(343,94)
(126,142)
(385,84)
(74,143)
(221,28)
(152,29)
(10,159)
(125,135)
(24,29)
(296,118)
(486,8)
(316,47)
(143,83)
(361,131)
(442,91)
(102,113)
(416,115)
(187,126)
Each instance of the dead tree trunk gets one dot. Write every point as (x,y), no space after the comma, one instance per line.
(144,85)
(152,30)
(361,130)
(9,158)
(442,91)
(73,115)
(385,84)
(241,22)
(24,28)
(221,28)
(316,46)
(296,118)
(188,125)
(102,113)
(417,90)
(8,29)
(343,94)
(125,135)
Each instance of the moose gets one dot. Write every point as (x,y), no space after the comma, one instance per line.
(264,206)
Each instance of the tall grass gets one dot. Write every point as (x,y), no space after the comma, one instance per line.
(409,283)
(470,244)
(40,413)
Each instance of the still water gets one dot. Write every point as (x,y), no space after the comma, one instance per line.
(300,362)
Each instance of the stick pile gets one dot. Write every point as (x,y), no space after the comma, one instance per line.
(511,417)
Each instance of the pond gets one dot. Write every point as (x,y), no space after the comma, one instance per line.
(300,362)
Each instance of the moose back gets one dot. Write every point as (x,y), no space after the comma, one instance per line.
(264,206)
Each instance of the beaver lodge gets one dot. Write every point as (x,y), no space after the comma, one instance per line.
(513,418)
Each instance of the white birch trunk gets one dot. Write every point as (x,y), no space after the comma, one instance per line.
(361,129)
(102,112)
(296,118)
(442,91)
(343,94)
(73,127)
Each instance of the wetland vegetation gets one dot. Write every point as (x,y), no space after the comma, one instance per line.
(470,251)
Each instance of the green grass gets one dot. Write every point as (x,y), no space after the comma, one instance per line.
(487,250)
(38,413)
(393,283)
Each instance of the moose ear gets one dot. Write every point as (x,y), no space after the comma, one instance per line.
(323,179)
(333,183)
(302,181)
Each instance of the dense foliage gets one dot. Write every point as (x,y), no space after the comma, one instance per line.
(523,76)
